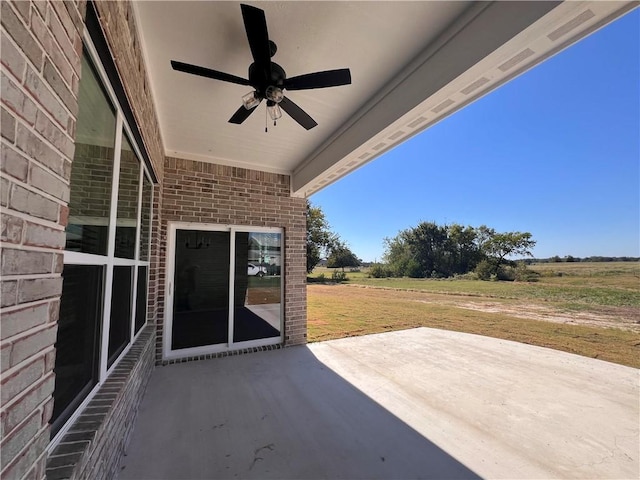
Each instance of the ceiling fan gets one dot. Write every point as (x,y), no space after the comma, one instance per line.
(268,78)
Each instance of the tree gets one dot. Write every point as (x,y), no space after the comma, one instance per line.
(399,255)
(319,237)
(502,245)
(431,250)
(341,256)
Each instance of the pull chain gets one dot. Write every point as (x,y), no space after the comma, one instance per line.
(265,121)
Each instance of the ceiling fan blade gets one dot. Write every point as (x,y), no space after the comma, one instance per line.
(297,113)
(241,115)
(255,23)
(329,78)
(207,72)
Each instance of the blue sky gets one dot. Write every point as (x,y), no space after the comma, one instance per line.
(555,152)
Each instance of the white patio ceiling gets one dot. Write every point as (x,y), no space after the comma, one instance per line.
(412,64)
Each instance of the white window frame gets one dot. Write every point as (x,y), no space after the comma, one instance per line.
(109,261)
(172,227)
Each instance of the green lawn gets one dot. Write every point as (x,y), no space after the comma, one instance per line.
(573,285)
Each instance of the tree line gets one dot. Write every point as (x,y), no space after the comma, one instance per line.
(429,250)
(323,243)
(570,259)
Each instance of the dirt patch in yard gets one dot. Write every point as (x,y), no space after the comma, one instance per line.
(615,317)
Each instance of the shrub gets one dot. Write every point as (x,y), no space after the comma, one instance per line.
(523,274)
(379,271)
(413,270)
(483,270)
(339,276)
(466,276)
(506,274)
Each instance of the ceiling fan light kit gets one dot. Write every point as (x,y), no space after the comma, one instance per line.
(268,78)
(251,100)
(274,111)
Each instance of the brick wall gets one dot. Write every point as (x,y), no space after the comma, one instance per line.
(41,47)
(208,193)
(41,43)
(93,446)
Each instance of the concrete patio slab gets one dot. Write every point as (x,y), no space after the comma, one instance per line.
(419,403)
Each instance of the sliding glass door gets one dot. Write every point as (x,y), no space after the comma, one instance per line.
(224,289)
(257,286)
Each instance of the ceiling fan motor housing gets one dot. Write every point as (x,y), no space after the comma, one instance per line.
(261,79)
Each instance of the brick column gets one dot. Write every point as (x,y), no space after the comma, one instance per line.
(41,48)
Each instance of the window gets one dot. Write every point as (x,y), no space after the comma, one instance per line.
(104,292)
(78,338)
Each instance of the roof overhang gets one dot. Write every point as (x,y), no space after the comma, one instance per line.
(413,64)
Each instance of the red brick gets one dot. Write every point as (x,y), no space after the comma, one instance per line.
(64,215)
(8,126)
(21,465)
(45,98)
(50,360)
(5,363)
(66,44)
(11,228)
(20,380)
(30,402)
(64,15)
(5,191)
(26,201)
(9,293)
(16,101)
(13,163)
(27,347)
(19,438)
(45,181)
(39,288)
(62,89)
(74,15)
(58,263)
(47,411)
(23,9)
(41,6)
(54,134)
(24,262)
(17,30)
(41,236)
(37,149)
(12,59)
(52,49)
(19,321)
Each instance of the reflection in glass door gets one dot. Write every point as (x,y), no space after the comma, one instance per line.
(257,285)
(201,289)
(227,289)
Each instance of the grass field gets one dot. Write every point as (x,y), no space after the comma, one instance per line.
(591,309)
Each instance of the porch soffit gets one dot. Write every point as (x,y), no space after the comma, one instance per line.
(412,64)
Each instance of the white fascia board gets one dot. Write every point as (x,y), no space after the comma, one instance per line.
(472,40)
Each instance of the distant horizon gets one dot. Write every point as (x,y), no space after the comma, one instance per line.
(554,152)
(533,259)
